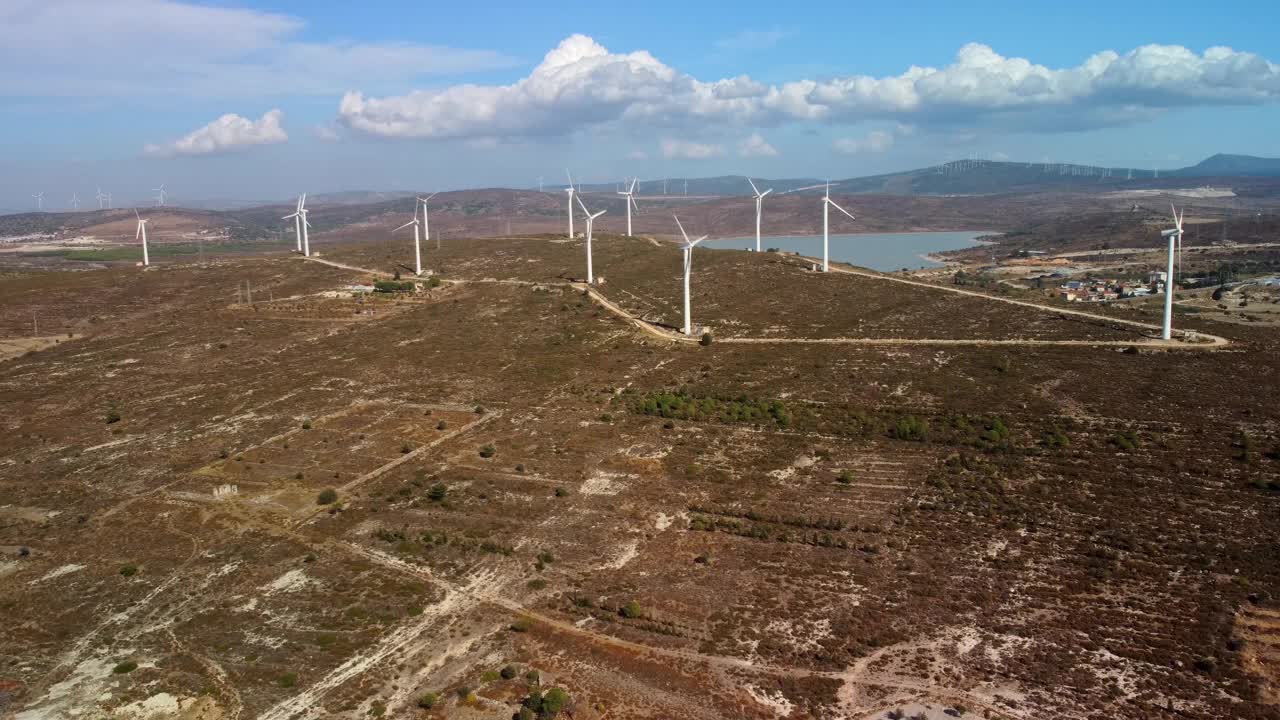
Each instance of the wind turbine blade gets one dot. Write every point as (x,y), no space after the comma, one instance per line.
(633,203)
(593,217)
(754,189)
(846,212)
(411,222)
(633,185)
(695,242)
(682,232)
(584,207)
(287,217)
(766,192)
(568,175)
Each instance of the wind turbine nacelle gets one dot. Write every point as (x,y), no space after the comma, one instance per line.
(1167,233)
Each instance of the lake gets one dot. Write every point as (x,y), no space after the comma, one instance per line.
(884,252)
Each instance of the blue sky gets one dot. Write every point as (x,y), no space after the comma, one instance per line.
(412,95)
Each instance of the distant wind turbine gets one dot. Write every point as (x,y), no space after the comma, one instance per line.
(1175,238)
(759,208)
(630,194)
(101,197)
(591,278)
(75,202)
(689,245)
(39,197)
(570,191)
(827,204)
(426,220)
(160,197)
(142,233)
(417,250)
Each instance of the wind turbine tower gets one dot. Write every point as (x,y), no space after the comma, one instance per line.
(160,197)
(591,278)
(827,204)
(142,233)
(297,220)
(631,202)
(570,191)
(1175,238)
(417,250)
(759,208)
(689,245)
(75,202)
(426,219)
(39,198)
(101,197)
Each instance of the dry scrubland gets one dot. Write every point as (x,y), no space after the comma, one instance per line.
(526,483)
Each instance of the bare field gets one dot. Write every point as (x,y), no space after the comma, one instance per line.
(523,479)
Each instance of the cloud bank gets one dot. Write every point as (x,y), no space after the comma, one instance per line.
(145,48)
(580,84)
(226,134)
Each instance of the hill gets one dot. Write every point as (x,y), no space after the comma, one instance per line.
(1222,165)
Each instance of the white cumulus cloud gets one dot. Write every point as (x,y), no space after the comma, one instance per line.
(581,84)
(756,146)
(227,133)
(689,150)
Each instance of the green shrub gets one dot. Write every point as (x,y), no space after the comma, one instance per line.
(706,339)
(428,701)
(508,672)
(488,451)
(532,677)
(910,427)
(631,610)
(287,680)
(521,625)
(845,477)
(554,701)
(306,424)
(129,570)
(437,493)
(328,496)
(561,492)
(127,666)
(112,417)
(442,425)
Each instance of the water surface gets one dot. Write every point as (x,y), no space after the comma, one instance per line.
(878,251)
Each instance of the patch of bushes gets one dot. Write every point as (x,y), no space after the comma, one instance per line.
(127,666)
(488,451)
(113,417)
(328,496)
(631,610)
(391,286)
(437,493)
(287,680)
(129,570)
(428,701)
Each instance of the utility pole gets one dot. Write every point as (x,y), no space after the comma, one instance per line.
(35,324)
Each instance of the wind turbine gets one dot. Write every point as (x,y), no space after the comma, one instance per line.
(417,250)
(160,197)
(591,278)
(101,197)
(426,221)
(570,191)
(827,204)
(39,197)
(759,208)
(142,233)
(75,202)
(631,202)
(108,201)
(297,220)
(689,245)
(1175,237)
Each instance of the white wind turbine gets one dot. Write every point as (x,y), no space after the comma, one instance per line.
(689,245)
(108,201)
(570,191)
(1175,238)
(417,249)
(827,204)
(426,220)
(142,233)
(759,208)
(591,278)
(630,194)
(160,197)
(101,197)
(75,201)
(39,198)
(297,220)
